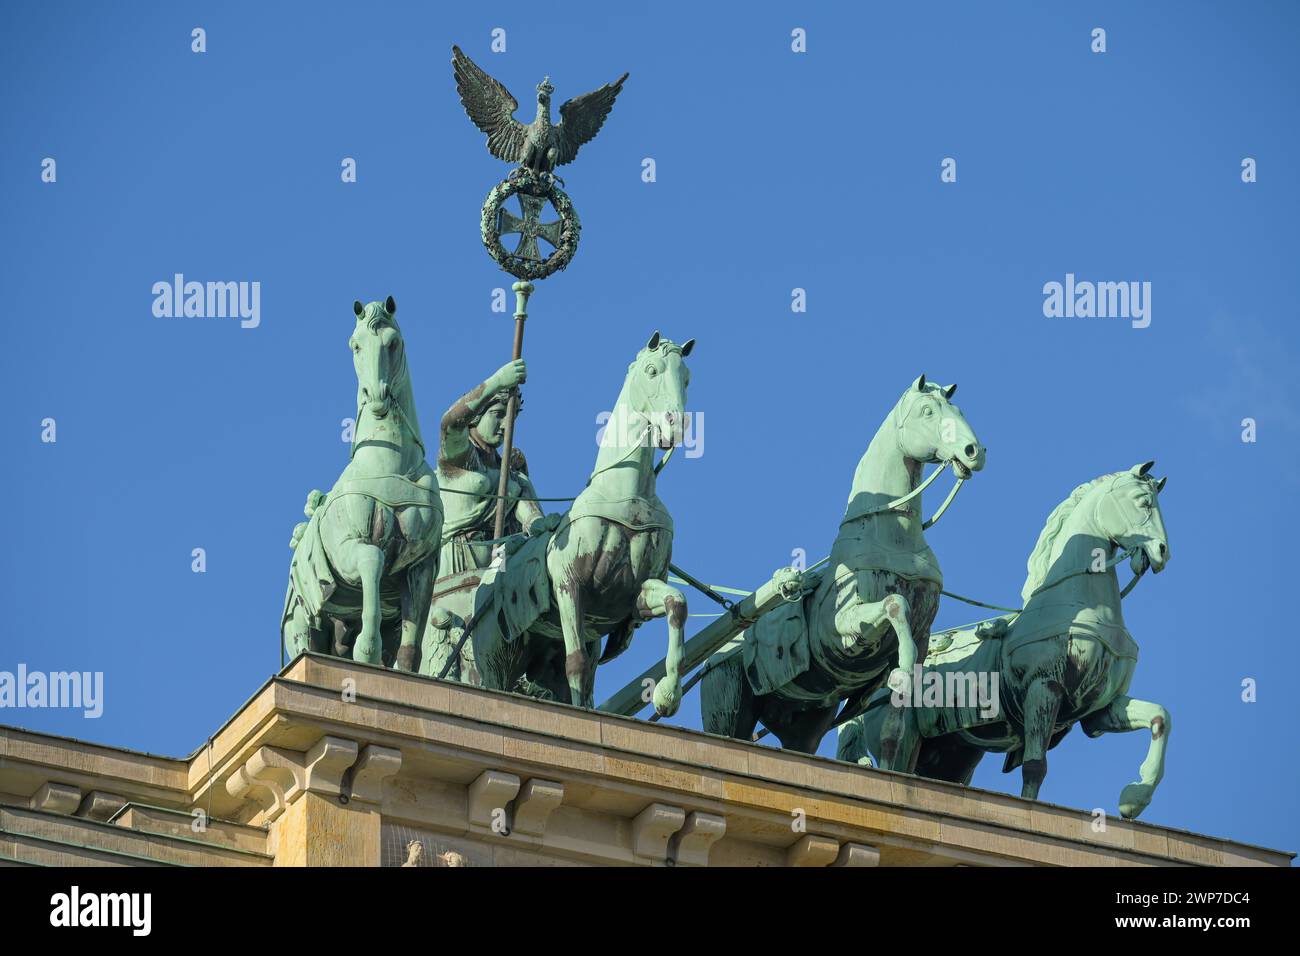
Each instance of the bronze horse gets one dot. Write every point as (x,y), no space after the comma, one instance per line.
(869,617)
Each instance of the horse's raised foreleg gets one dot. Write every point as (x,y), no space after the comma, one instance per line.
(364,563)
(858,624)
(417,594)
(568,603)
(1041,705)
(1125,714)
(661,599)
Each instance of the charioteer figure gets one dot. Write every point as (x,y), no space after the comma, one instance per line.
(469,475)
(469,469)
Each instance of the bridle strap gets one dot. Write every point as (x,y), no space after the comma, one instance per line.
(899,502)
(614,464)
(926,526)
(397,407)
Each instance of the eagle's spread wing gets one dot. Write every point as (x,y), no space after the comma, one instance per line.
(582,116)
(491,107)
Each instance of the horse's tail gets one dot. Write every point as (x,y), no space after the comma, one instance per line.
(314,500)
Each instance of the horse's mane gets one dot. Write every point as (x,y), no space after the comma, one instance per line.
(1040,560)
(375,316)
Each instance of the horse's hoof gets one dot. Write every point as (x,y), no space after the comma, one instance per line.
(667,698)
(405,658)
(366,652)
(1133,799)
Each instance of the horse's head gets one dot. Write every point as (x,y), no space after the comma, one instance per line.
(932,429)
(655,389)
(378,355)
(1129,514)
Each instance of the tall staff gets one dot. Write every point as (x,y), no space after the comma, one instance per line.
(525,263)
(522,291)
(537,147)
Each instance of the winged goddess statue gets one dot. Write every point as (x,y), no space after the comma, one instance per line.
(539,146)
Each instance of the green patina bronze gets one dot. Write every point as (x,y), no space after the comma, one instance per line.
(537,148)
(536,617)
(541,145)
(469,471)
(868,617)
(1067,658)
(469,476)
(457,572)
(364,563)
(526,261)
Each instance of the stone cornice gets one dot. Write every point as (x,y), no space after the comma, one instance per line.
(533,777)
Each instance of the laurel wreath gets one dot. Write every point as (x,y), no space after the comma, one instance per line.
(525,181)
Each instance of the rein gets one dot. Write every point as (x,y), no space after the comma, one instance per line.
(1119,556)
(631,451)
(491,494)
(899,502)
(711,591)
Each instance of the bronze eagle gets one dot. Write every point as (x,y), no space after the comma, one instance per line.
(540,146)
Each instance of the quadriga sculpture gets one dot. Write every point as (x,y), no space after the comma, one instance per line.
(363,565)
(1066,659)
(538,622)
(871,611)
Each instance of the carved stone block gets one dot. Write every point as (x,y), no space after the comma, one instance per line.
(56,798)
(493,790)
(812,850)
(690,845)
(857,854)
(653,827)
(534,805)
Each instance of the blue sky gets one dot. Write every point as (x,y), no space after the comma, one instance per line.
(775,171)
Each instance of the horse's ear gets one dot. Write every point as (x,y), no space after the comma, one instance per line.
(1160,485)
(1141,470)
(654,341)
(390,306)
(919,384)
(358,308)
(949,391)
(686,349)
